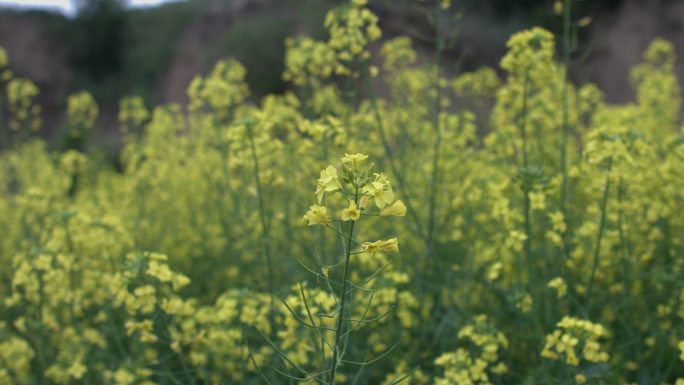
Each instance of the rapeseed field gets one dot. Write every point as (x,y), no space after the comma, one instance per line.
(370,226)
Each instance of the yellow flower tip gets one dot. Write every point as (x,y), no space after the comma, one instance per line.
(380,190)
(397,209)
(351,213)
(559,285)
(354,158)
(317,215)
(580,378)
(3,58)
(583,22)
(537,200)
(558,7)
(360,3)
(374,71)
(388,245)
(328,182)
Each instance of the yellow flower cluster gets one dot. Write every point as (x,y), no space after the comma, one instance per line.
(132,116)
(307,60)
(482,83)
(365,187)
(4,61)
(478,363)
(575,340)
(20,103)
(5,73)
(82,111)
(221,91)
(351,27)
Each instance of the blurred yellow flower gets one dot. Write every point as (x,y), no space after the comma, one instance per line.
(397,209)
(317,215)
(388,245)
(328,182)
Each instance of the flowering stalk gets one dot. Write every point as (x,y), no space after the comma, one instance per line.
(338,329)
(364,187)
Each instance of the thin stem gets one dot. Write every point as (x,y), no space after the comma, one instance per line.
(265,239)
(523,118)
(602,226)
(437,127)
(389,152)
(528,232)
(566,128)
(526,187)
(340,320)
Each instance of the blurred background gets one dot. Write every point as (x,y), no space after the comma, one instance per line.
(154,48)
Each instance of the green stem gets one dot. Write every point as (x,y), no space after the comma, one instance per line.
(439,40)
(526,187)
(523,118)
(597,249)
(528,232)
(265,239)
(566,128)
(343,296)
(407,193)
(40,340)
(4,135)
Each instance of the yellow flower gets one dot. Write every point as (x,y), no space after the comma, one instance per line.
(388,245)
(537,200)
(317,215)
(3,58)
(373,70)
(585,21)
(398,209)
(123,377)
(681,347)
(580,378)
(381,191)
(558,7)
(351,213)
(559,284)
(354,158)
(525,303)
(494,272)
(558,221)
(77,370)
(328,182)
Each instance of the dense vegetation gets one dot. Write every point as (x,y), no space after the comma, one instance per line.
(328,235)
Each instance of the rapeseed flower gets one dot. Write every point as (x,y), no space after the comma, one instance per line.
(351,213)
(397,209)
(386,245)
(328,182)
(317,215)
